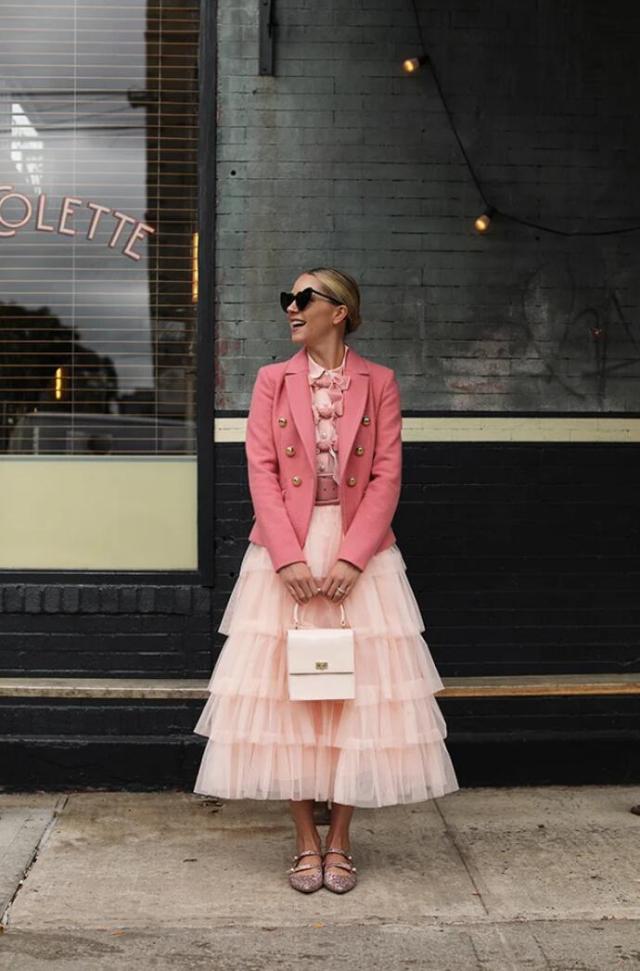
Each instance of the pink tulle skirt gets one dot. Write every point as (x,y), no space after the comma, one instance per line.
(383,747)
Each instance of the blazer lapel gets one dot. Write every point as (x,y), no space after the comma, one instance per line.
(355,399)
(299,394)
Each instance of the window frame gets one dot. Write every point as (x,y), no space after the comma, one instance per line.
(204,573)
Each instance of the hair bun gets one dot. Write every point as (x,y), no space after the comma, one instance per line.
(336,283)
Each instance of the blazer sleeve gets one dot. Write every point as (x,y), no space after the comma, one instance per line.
(264,485)
(378,505)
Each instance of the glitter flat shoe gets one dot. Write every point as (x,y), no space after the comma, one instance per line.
(311,879)
(339,882)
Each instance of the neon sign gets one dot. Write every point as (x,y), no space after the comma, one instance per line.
(66,213)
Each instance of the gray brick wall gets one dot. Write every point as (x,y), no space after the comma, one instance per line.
(341,158)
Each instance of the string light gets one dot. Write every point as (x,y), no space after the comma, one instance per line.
(482,223)
(413,64)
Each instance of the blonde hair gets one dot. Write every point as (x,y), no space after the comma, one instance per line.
(344,288)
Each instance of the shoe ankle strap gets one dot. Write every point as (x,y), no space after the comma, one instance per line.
(299,856)
(337,849)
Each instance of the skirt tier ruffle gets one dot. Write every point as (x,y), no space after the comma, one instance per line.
(385,746)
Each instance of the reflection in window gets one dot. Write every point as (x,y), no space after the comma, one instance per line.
(98,227)
(26,147)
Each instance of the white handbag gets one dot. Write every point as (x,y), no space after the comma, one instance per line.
(320,661)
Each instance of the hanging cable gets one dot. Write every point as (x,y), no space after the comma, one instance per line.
(483,222)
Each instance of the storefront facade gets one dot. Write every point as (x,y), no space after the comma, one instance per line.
(161,178)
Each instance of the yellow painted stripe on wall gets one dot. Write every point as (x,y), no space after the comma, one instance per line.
(98,513)
(470,429)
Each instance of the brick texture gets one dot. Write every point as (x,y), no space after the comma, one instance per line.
(341,158)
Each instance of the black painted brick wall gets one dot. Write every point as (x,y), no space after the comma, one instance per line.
(105,631)
(524,557)
(61,744)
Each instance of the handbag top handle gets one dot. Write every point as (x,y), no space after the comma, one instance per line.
(296,619)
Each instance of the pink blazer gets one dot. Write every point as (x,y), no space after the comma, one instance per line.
(281,458)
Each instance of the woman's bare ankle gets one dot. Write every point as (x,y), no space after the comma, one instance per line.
(307,836)
(340,840)
(308,841)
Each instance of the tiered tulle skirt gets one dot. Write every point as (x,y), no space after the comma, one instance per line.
(385,746)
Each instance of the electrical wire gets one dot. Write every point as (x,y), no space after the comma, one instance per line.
(491,206)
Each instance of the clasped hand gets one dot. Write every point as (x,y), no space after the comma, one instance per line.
(302,585)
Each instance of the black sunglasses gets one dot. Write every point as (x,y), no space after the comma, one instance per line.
(302,298)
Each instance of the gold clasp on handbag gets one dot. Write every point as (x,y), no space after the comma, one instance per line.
(322,665)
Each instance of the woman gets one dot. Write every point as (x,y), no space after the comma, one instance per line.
(324,458)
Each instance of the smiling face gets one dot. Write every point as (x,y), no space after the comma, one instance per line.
(319,319)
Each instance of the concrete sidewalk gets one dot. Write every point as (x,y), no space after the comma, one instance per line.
(491,879)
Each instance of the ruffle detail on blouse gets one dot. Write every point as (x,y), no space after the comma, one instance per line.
(327,403)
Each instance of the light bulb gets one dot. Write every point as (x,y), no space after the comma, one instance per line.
(483,223)
(413,64)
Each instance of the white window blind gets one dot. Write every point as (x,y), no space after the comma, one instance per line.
(98,227)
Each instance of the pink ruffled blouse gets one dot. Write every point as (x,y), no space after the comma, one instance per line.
(327,388)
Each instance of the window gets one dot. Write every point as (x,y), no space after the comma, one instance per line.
(98,283)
